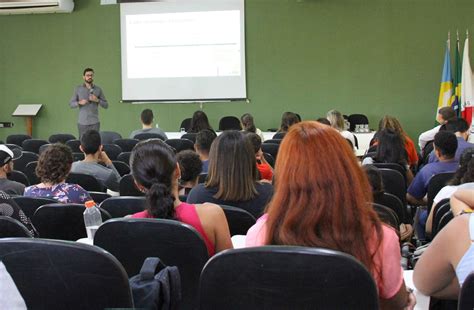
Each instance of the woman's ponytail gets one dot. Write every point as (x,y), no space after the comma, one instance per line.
(160,201)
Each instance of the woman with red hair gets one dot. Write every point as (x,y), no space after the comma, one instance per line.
(322,199)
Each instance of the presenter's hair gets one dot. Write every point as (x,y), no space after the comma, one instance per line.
(87,70)
(287,120)
(91,141)
(199,121)
(392,123)
(54,163)
(446,143)
(147,116)
(322,201)
(336,120)
(248,123)
(153,164)
(232,167)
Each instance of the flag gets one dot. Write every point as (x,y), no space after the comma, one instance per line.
(446,88)
(456,98)
(467,93)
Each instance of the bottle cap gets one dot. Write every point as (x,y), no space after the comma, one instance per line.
(90,203)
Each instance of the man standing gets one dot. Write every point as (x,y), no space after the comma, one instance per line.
(88,97)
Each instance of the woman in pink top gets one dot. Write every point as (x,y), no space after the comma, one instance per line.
(322,199)
(156,172)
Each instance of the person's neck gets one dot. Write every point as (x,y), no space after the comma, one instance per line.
(3,175)
(147,126)
(445,159)
(203,156)
(88,85)
(91,158)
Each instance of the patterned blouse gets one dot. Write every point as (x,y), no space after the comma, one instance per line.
(8,207)
(62,192)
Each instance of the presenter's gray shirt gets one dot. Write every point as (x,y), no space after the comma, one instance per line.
(108,175)
(88,113)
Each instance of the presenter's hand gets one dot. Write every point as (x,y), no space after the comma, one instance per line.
(94,98)
(82,102)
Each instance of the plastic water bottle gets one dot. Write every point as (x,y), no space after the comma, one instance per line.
(92,218)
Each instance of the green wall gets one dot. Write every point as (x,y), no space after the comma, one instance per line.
(309,56)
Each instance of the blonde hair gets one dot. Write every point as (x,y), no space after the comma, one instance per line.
(336,119)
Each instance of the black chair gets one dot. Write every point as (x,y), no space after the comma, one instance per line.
(87,182)
(61,138)
(149,135)
(229,123)
(270,148)
(394,183)
(444,220)
(393,166)
(30,172)
(392,202)
(78,156)
(435,184)
(126,144)
(19,177)
(33,145)
(202,178)
(98,197)
(127,187)
(286,277)
(180,144)
(189,136)
(123,205)
(30,204)
(387,215)
(107,137)
(270,160)
(275,141)
(9,227)
(175,243)
(122,168)
(64,221)
(17,139)
(279,135)
(425,153)
(74,145)
(186,124)
(466,298)
(357,119)
(25,158)
(441,209)
(14,146)
(238,219)
(53,274)
(124,157)
(43,148)
(112,150)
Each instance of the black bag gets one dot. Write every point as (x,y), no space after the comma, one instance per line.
(161,291)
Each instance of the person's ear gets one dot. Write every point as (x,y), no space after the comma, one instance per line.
(177,172)
(81,148)
(140,187)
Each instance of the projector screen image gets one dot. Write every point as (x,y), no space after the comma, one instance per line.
(176,50)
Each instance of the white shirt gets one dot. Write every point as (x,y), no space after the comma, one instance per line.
(427,136)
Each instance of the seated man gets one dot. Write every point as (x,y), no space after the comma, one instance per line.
(202,146)
(6,166)
(91,146)
(444,114)
(460,128)
(147,125)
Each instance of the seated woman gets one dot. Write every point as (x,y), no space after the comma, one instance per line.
(232,176)
(264,168)
(199,121)
(156,172)
(191,167)
(322,201)
(54,165)
(288,119)
(337,122)
(449,259)
(248,125)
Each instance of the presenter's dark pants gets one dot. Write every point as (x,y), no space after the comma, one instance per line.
(84,128)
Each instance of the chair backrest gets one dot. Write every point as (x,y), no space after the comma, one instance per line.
(122,168)
(19,177)
(394,183)
(53,274)
(33,145)
(74,145)
(186,124)
(149,135)
(270,160)
(202,177)
(98,197)
(435,184)
(238,219)
(9,227)
(26,157)
(440,210)
(425,153)
(87,182)
(124,157)
(391,201)
(112,150)
(126,144)
(286,277)
(175,243)
(275,141)
(190,136)
(466,297)
(393,166)
(229,123)
(387,215)
(448,216)
(64,221)
(30,172)
(123,205)
(30,204)
(270,148)
(127,186)
(61,138)
(355,119)
(43,148)
(109,136)
(180,144)
(17,139)
(279,135)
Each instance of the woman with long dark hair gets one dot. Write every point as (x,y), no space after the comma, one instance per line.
(324,201)
(199,121)
(248,125)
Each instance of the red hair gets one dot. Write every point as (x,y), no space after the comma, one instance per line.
(322,197)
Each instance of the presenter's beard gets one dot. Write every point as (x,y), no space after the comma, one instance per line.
(89,81)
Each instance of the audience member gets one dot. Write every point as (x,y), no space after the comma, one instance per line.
(202,146)
(191,167)
(6,166)
(8,207)
(444,114)
(199,122)
(147,119)
(94,161)
(336,120)
(232,176)
(156,172)
(265,170)
(288,119)
(324,121)
(322,201)
(54,165)
(249,125)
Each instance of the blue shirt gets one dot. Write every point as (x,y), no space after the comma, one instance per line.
(462,145)
(205,166)
(419,186)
